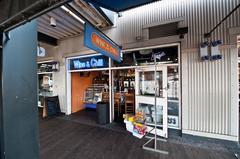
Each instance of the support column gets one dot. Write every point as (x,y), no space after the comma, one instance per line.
(18,97)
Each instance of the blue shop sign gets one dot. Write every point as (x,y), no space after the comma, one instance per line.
(89,62)
(99,42)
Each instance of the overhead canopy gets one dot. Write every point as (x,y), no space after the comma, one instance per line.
(13,12)
(119,5)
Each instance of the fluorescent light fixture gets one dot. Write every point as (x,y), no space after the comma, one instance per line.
(72,14)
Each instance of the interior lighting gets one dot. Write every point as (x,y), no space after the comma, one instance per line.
(73,14)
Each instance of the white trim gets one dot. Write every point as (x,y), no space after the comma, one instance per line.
(88,70)
(176,20)
(150,99)
(234,92)
(152,47)
(42,73)
(68,89)
(210,135)
(46,61)
(142,67)
(110,91)
(82,56)
(180,86)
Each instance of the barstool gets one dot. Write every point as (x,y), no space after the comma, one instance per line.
(129,103)
(117,103)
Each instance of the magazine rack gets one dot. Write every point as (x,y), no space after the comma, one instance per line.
(155,138)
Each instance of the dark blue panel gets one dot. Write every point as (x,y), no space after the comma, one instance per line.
(19,93)
(119,5)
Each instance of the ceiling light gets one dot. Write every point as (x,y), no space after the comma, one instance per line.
(73,14)
(53,22)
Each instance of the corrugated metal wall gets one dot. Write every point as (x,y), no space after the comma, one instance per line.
(207,100)
(207,105)
(200,16)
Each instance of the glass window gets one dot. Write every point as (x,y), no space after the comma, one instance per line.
(147,83)
(173,96)
(148,110)
(145,57)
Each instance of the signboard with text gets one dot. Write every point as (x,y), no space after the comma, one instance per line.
(97,41)
(89,62)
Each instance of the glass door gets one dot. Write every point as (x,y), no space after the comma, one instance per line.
(145,97)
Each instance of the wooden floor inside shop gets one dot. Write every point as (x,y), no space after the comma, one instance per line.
(65,138)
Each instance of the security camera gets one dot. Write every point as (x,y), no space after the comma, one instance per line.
(53,22)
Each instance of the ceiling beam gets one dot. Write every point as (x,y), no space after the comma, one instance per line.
(62,24)
(63,15)
(52,30)
(57,28)
(81,9)
(92,11)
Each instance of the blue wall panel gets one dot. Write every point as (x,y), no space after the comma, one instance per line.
(19,94)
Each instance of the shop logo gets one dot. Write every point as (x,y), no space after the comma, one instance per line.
(96,62)
(78,64)
(91,63)
(104,45)
(160,55)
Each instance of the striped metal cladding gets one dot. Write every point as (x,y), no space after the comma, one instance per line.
(200,16)
(207,103)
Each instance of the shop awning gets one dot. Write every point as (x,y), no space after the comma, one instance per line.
(15,12)
(119,5)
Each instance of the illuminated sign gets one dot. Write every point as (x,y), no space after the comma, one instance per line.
(89,63)
(97,41)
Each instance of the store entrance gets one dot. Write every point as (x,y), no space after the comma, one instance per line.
(151,97)
(88,89)
(123,93)
(135,76)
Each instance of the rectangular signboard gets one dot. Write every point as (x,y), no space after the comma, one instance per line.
(97,41)
(89,63)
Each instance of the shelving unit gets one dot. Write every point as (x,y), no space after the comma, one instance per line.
(93,94)
(45,88)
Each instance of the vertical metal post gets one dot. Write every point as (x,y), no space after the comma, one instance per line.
(155,102)
(155,139)
(1,107)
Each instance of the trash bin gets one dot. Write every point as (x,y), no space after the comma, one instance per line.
(102,113)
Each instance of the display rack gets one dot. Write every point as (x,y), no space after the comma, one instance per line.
(155,139)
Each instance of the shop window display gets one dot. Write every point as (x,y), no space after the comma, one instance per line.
(147,84)
(145,57)
(173,96)
(169,57)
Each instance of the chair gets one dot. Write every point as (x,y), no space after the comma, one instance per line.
(105,96)
(129,103)
(117,103)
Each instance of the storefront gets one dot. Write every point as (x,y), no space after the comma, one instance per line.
(202,97)
(128,86)
(88,81)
